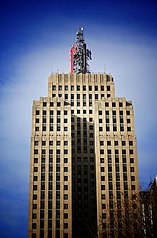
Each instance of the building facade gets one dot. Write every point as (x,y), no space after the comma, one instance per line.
(83,165)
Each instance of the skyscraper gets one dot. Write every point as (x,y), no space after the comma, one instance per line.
(83,154)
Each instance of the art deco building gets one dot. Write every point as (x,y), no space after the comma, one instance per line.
(83,155)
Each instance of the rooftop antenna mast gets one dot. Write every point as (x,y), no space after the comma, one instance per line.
(79,55)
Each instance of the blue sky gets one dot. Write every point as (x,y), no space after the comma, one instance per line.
(35,40)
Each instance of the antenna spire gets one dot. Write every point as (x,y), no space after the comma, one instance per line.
(79,55)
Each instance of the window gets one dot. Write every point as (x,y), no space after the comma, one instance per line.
(103,196)
(128,120)
(34,216)
(101,152)
(128,128)
(60,88)
(43,143)
(65,196)
(34,206)
(65,169)
(108,142)
(51,104)
(44,104)
(35,178)
(37,112)
(127,113)
(72,88)
(124,160)
(102,88)
(107,128)
(66,96)
(33,225)
(65,215)
(116,143)
(131,169)
(65,178)
(102,187)
(65,143)
(90,88)
(102,169)
(66,87)
(50,143)
(35,160)
(102,178)
(123,143)
(65,112)
(133,187)
(100,120)
(35,152)
(35,143)
(51,112)
(108,88)
(65,120)
(96,96)
(34,187)
(37,120)
(132,178)
(100,112)
(43,151)
(84,88)
(54,87)
(101,143)
(44,112)
(96,88)
(65,225)
(65,206)
(131,143)
(78,88)
(65,151)
(131,152)
(35,169)
(65,187)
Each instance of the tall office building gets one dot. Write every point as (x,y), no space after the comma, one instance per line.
(83,154)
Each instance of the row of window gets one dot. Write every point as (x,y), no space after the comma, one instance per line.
(58,143)
(49,234)
(84,112)
(42,225)
(102,151)
(90,111)
(66,96)
(108,127)
(43,151)
(116,143)
(78,88)
(36,168)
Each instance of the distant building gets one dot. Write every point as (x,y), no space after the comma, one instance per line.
(83,161)
(149,210)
